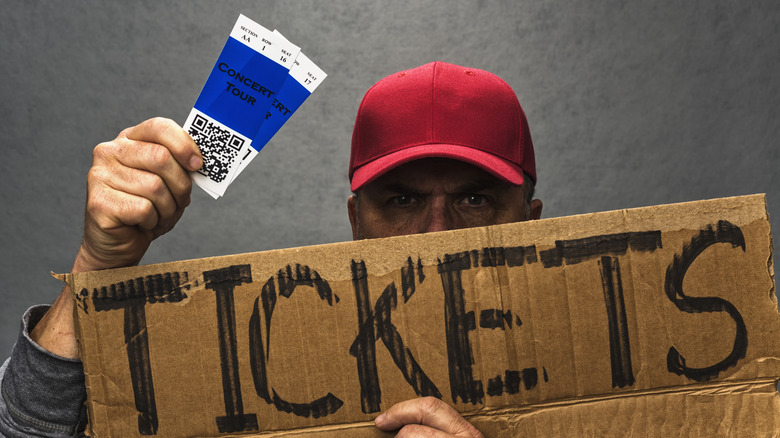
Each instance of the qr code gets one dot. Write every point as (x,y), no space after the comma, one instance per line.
(218,145)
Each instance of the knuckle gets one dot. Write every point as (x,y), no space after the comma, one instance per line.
(156,185)
(161,121)
(181,191)
(97,209)
(430,405)
(144,207)
(124,133)
(99,174)
(161,124)
(101,151)
(187,185)
(95,174)
(159,158)
(101,222)
(155,122)
(95,201)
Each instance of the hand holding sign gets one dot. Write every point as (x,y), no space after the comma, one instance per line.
(424,417)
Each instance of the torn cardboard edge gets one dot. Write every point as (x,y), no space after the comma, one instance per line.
(588,310)
(501,423)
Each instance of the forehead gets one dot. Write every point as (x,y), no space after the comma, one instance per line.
(436,172)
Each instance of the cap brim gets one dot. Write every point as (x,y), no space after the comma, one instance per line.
(498,167)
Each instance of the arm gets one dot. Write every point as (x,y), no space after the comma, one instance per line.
(137,189)
(42,394)
(426,417)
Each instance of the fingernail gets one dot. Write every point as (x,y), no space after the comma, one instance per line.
(195,162)
(380,419)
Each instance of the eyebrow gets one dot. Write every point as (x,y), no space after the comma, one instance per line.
(478,185)
(398,187)
(471,186)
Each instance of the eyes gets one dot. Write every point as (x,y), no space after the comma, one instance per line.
(401,200)
(474,200)
(467,200)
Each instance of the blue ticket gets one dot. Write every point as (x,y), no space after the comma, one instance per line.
(305,76)
(233,105)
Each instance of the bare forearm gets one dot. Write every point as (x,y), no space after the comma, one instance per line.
(56,332)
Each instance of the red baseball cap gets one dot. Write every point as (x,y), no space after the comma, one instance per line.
(441,110)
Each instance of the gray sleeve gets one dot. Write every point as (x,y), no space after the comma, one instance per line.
(42,394)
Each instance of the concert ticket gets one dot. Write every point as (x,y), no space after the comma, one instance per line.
(245,90)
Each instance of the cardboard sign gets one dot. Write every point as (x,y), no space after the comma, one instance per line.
(650,321)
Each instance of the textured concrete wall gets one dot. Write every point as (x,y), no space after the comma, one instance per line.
(630,104)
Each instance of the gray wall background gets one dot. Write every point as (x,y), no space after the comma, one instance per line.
(631,103)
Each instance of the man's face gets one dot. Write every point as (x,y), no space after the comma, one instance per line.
(436,194)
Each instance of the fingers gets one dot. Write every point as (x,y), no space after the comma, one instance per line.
(160,148)
(137,190)
(111,209)
(163,148)
(143,169)
(167,132)
(427,416)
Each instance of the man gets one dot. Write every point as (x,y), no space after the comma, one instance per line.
(434,148)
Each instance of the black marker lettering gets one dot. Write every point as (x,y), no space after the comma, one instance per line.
(413,373)
(364,350)
(286,280)
(493,257)
(675,274)
(530,378)
(619,346)
(600,247)
(517,255)
(580,250)
(132,296)
(510,383)
(458,324)
(408,283)
(495,386)
(495,319)
(222,282)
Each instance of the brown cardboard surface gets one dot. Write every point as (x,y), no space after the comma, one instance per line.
(652,320)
